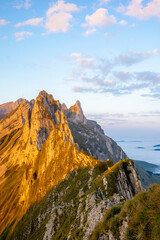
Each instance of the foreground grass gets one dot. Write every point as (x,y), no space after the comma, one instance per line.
(143,214)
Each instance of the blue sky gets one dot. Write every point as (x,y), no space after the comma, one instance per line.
(106,53)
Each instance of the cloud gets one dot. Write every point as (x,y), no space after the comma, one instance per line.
(103,2)
(83,61)
(22,35)
(136,9)
(102,76)
(23,4)
(90,32)
(123,23)
(133,57)
(3,22)
(59,16)
(30,22)
(99,19)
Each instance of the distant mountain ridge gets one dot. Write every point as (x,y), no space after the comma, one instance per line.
(6,108)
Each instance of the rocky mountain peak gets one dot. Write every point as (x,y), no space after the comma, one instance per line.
(76,113)
(19,101)
(44,97)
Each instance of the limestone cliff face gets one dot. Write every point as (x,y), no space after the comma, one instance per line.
(15,119)
(36,152)
(90,136)
(75,113)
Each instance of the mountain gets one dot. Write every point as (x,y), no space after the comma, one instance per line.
(154,168)
(6,108)
(74,207)
(138,218)
(147,178)
(90,136)
(38,151)
(51,184)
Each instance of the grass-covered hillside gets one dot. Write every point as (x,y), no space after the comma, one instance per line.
(74,207)
(136,219)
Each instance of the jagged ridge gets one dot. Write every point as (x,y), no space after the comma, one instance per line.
(37,151)
(73,208)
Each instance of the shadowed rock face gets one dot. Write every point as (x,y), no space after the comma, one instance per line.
(90,136)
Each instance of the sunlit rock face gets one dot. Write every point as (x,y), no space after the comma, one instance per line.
(6,108)
(75,114)
(37,151)
(15,119)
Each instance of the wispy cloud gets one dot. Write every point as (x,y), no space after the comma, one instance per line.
(83,61)
(30,22)
(99,19)
(22,35)
(59,17)
(101,75)
(137,9)
(104,2)
(123,23)
(22,4)
(89,32)
(133,57)
(3,22)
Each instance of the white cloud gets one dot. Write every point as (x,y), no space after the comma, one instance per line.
(89,32)
(23,4)
(136,9)
(22,35)
(133,57)
(83,61)
(99,19)
(3,22)
(123,23)
(58,17)
(30,22)
(98,76)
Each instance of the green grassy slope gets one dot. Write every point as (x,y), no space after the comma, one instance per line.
(143,214)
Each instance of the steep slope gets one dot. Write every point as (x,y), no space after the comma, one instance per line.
(90,136)
(6,108)
(147,178)
(138,218)
(37,151)
(73,208)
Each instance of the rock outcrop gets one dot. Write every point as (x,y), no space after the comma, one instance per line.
(90,136)
(6,108)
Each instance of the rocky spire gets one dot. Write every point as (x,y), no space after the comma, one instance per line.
(76,113)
